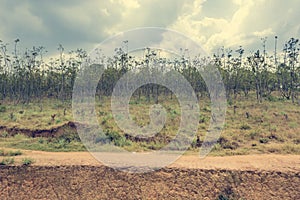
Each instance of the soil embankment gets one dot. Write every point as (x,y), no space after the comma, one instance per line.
(92,182)
(80,176)
(53,132)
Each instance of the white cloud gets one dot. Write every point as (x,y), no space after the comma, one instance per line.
(249,21)
(264,33)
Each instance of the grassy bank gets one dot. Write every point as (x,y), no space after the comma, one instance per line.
(268,127)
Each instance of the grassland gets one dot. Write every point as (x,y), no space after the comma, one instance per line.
(250,128)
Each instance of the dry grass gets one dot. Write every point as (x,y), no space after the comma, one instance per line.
(271,127)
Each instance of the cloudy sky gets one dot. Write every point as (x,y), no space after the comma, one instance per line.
(212,23)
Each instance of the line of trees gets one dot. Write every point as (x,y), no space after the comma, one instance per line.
(27,76)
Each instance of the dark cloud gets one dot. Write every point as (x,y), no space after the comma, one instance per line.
(82,24)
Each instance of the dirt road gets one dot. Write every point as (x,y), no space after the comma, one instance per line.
(264,162)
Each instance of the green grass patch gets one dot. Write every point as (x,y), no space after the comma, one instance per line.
(7,161)
(42,144)
(10,153)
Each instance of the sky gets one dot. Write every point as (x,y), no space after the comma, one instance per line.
(211,23)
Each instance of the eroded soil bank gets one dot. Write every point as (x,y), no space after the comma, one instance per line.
(100,182)
(53,132)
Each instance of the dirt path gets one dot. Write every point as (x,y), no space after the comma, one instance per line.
(78,175)
(264,162)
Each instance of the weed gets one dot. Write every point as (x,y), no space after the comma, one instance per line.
(41,140)
(253,134)
(4,134)
(11,116)
(14,153)
(2,108)
(272,98)
(263,140)
(222,197)
(245,127)
(291,148)
(207,109)
(27,161)
(226,144)
(229,102)
(117,139)
(101,113)
(217,147)
(104,121)
(7,161)
(293,125)
(202,119)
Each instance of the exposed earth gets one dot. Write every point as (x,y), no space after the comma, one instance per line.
(78,175)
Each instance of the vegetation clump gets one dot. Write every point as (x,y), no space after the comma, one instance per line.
(27,161)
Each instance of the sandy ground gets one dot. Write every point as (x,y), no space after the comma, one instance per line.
(264,162)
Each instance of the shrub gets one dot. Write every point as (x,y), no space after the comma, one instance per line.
(27,161)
